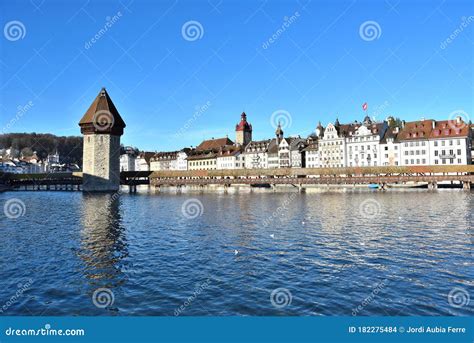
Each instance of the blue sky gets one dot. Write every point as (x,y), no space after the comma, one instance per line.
(320,66)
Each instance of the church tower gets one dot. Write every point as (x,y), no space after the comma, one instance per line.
(243,131)
(279,133)
(102,127)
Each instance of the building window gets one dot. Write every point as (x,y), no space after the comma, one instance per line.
(459,160)
(436,143)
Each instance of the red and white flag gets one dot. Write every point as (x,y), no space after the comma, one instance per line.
(364,106)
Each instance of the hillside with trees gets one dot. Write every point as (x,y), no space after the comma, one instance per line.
(69,148)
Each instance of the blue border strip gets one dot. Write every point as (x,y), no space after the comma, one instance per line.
(239,329)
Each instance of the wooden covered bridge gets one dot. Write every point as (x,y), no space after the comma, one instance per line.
(300,177)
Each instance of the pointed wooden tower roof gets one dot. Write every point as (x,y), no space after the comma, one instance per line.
(102,117)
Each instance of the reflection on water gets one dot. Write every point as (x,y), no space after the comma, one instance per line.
(359,253)
(103,241)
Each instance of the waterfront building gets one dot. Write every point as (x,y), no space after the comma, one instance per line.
(389,148)
(450,142)
(311,152)
(102,127)
(291,152)
(230,157)
(172,160)
(164,161)
(273,158)
(202,160)
(243,131)
(52,162)
(362,141)
(142,162)
(332,146)
(127,159)
(256,154)
(413,141)
(204,157)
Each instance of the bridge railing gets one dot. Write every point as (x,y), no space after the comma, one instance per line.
(304,172)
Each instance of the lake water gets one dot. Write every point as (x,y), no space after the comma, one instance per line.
(356,253)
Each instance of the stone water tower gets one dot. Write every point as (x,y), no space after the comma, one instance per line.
(102,127)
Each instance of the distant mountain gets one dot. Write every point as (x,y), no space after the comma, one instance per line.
(69,148)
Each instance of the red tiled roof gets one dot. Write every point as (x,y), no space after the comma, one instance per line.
(243,125)
(416,130)
(200,155)
(214,143)
(229,151)
(450,128)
